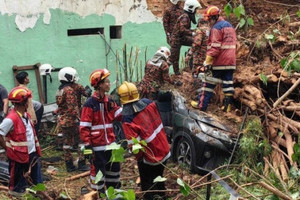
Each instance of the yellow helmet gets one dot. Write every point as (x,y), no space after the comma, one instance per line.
(128,93)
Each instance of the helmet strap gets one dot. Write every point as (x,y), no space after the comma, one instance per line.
(192,17)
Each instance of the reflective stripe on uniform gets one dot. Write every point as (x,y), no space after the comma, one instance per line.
(18,144)
(102,126)
(87,124)
(223,67)
(228,89)
(114,180)
(207,89)
(99,148)
(228,82)
(154,134)
(109,173)
(228,47)
(157,163)
(118,112)
(97,187)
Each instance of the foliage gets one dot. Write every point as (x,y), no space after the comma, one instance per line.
(33,190)
(253,145)
(184,188)
(263,78)
(296,155)
(113,193)
(291,62)
(240,14)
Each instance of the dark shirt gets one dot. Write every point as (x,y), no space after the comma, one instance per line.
(3,95)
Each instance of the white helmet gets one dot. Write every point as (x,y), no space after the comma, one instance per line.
(175,1)
(45,69)
(191,5)
(68,74)
(164,51)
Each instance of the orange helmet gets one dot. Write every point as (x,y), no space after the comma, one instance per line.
(98,75)
(211,11)
(19,94)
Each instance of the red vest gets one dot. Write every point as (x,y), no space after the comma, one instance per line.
(147,126)
(16,141)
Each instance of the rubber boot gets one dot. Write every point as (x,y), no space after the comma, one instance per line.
(82,166)
(227,104)
(70,166)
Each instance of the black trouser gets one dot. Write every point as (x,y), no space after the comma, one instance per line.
(147,174)
(39,115)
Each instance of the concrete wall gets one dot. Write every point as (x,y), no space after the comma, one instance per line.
(35,31)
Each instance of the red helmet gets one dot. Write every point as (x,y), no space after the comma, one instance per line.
(211,11)
(19,94)
(98,75)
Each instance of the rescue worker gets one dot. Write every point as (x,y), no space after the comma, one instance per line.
(156,74)
(96,131)
(220,58)
(198,50)
(21,143)
(79,91)
(23,80)
(141,120)
(35,108)
(170,16)
(182,34)
(68,117)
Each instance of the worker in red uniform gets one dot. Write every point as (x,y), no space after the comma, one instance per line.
(141,120)
(220,58)
(171,14)
(96,131)
(21,143)
(156,74)
(182,34)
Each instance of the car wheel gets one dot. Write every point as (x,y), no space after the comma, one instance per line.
(185,153)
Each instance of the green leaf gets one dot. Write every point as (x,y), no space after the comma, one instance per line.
(298,13)
(63,195)
(117,155)
(295,65)
(131,194)
(242,22)
(283,62)
(111,194)
(236,12)
(39,187)
(159,179)
(228,9)
(180,182)
(242,9)
(113,146)
(143,142)
(280,134)
(250,21)
(134,140)
(276,31)
(263,78)
(184,188)
(102,195)
(136,148)
(98,176)
(270,37)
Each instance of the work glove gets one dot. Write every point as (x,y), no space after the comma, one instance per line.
(88,91)
(87,151)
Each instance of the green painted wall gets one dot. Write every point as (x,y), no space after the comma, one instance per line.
(51,44)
